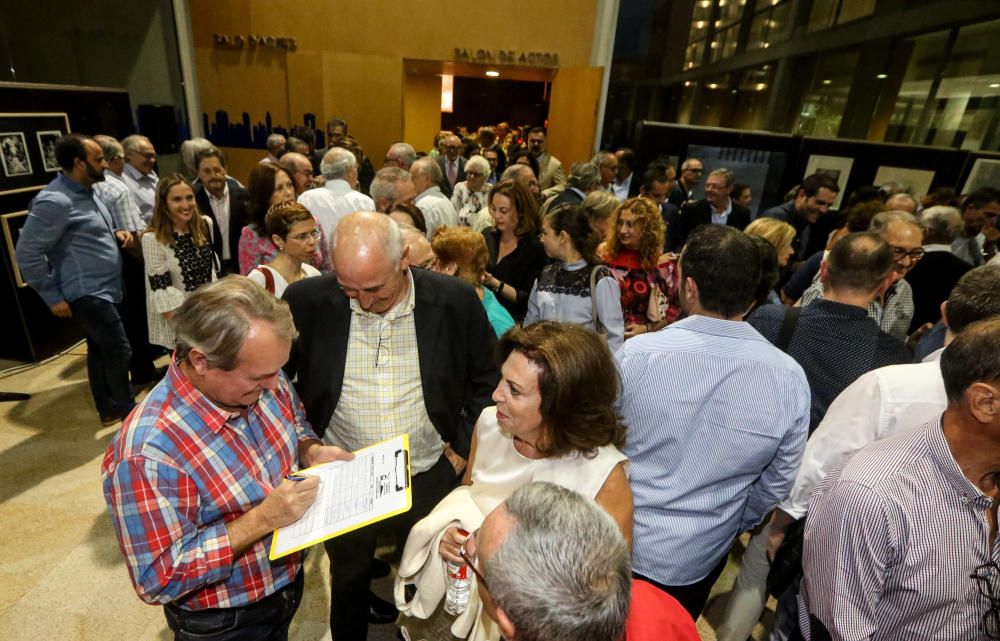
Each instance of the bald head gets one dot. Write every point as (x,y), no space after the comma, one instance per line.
(452,147)
(418,248)
(370,261)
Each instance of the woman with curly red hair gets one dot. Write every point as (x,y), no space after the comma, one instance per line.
(649,281)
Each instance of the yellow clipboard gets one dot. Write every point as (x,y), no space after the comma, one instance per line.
(380,481)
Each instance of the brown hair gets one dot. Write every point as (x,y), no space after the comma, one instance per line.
(649,224)
(282,216)
(576,224)
(413,212)
(578,384)
(160,224)
(524,204)
(464,247)
(261,187)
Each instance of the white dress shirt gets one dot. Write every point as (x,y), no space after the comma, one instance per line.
(620,189)
(437,210)
(331,202)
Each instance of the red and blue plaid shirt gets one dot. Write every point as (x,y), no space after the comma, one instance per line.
(179,470)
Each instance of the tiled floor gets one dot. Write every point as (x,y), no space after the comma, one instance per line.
(61,574)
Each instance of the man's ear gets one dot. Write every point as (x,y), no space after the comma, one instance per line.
(199,362)
(507,629)
(984,402)
(944,312)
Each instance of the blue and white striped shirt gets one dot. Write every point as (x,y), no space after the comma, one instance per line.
(717,420)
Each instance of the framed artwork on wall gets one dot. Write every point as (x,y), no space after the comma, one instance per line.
(47,148)
(14,154)
(837,167)
(23,166)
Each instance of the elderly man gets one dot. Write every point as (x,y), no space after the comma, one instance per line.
(67,251)
(275,148)
(297,145)
(901,201)
(692,495)
(300,169)
(551,175)
(140,173)
(339,196)
(900,542)
(625,185)
(420,250)
(436,207)
(518,173)
(391,186)
(388,350)
(584,177)
(937,272)
(978,241)
(195,480)
(683,191)
(452,165)
(400,154)
(226,202)
(607,164)
(813,199)
(717,208)
(893,310)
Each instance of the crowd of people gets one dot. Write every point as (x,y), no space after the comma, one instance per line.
(605,382)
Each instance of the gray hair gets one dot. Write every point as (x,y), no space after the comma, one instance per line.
(110,147)
(297,145)
(368,229)
(725,174)
(189,153)
(337,163)
(893,202)
(883,219)
(584,176)
(275,141)
(562,572)
(478,163)
(687,163)
(133,142)
(514,171)
(215,319)
(941,224)
(601,157)
(385,184)
(428,168)
(404,153)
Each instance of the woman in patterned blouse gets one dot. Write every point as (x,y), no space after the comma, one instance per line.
(648,281)
(177,249)
(470,194)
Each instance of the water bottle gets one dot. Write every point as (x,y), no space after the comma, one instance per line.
(457,597)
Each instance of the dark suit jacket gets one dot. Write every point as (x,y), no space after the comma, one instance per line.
(700,213)
(447,188)
(932,279)
(239,207)
(455,343)
(633,187)
(567,197)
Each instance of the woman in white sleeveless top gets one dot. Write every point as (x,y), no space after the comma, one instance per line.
(294,232)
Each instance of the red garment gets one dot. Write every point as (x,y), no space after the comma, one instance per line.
(654,615)
(636,283)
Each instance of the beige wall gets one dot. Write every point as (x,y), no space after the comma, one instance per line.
(349,62)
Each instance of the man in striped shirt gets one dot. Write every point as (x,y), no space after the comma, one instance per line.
(901,541)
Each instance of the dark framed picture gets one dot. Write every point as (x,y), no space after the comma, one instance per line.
(14,154)
(47,147)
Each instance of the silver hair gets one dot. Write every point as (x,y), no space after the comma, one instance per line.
(895,198)
(337,163)
(189,153)
(941,224)
(584,176)
(110,147)
(404,153)
(367,228)
(429,168)
(275,141)
(562,572)
(215,319)
(385,184)
(885,218)
(687,163)
(132,143)
(478,163)
(601,157)
(513,172)
(727,175)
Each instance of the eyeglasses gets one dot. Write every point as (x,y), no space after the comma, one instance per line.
(985,578)
(472,560)
(474,174)
(899,253)
(306,235)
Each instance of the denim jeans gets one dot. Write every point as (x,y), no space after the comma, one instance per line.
(266,620)
(108,354)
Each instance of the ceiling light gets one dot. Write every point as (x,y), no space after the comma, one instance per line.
(881,76)
(761,86)
(994,85)
(828,82)
(712,85)
(493,74)
(687,83)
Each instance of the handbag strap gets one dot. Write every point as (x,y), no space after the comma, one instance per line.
(598,325)
(268,278)
(788,325)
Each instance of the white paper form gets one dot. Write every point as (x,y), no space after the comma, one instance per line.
(352,494)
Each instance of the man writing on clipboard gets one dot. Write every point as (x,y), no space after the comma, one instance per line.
(194,479)
(387,350)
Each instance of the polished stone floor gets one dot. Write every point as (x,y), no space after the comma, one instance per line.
(61,573)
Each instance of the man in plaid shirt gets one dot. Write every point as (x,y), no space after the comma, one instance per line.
(195,478)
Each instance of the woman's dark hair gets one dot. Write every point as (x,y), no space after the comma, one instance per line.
(524,203)
(576,224)
(578,384)
(768,271)
(261,188)
(413,212)
(532,161)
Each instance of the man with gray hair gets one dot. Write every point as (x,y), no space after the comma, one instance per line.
(300,169)
(436,207)
(716,208)
(140,173)
(452,164)
(391,186)
(607,163)
(683,191)
(901,201)
(275,148)
(388,350)
(584,177)
(400,154)
(195,480)
(936,274)
(339,196)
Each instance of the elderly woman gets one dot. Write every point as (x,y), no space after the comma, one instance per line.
(516,256)
(469,196)
(462,252)
(177,250)
(554,420)
(294,232)
(649,281)
(598,207)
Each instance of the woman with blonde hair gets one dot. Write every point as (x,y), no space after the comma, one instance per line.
(777,232)
(598,207)
(648,280)
(294,232)
(177,250)
(461,252)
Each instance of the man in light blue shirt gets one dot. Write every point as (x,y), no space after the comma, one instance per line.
(717,419)
(140,173)
(68,253)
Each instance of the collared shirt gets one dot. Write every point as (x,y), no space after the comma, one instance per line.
(720,218)
(179,470)
(67,248)
(891,541)
(114,194)
(717,420)
(894,317)
(834,343)
(143,188)
(382,395)
(881,403)
(220,207)
(970,249)
(437,210)
(331,202)
(620,189)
